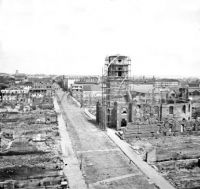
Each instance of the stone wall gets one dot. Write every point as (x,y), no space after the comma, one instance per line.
(180,111)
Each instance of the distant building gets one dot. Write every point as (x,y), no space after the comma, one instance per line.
(77,92)
(87,94)
(76,87)
(42,86)
(15,94)
(20,77)
(88,80)
(65,84)
(194,91)
(194,85)
(142,92)
(163,83)
(92,93)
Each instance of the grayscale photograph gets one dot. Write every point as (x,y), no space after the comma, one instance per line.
(100,94)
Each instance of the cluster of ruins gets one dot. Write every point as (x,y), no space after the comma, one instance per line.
(30,152)
(159,118)
(151,116)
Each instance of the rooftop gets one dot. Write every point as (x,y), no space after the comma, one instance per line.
(167,80)
(92,87)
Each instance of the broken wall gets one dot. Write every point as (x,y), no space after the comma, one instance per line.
(178,111)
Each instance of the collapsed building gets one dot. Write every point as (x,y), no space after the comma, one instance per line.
(32,94)
(160,112)
(165,103)
(122,107)
(30,152)
(157,121)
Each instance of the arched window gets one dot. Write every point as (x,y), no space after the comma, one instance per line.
(119,72)
(171,110)
(124,111)
(123,123)
(184,109)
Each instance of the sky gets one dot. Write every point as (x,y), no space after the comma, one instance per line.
(162,37)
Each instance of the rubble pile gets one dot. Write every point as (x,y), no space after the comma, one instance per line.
(43,103)
(30,146)
(177,158)
(35,116)
(168,127)
(180,163)
(171,146)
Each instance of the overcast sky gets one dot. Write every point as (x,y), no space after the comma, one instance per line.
(162,37)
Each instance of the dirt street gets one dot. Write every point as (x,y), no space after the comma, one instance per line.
(102,163)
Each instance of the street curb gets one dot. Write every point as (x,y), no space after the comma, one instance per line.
(77,103)
(92,117)
(151,173)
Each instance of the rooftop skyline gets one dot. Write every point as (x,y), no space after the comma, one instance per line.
(64,37)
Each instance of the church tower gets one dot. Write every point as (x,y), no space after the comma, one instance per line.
(116,79)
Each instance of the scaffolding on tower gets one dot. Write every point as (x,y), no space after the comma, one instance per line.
(115,84)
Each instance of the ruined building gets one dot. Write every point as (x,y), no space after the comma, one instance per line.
(164,110)
(162,103)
